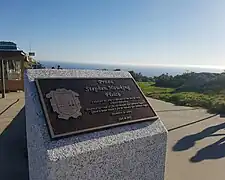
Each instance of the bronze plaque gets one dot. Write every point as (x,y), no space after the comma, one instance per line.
(76,105)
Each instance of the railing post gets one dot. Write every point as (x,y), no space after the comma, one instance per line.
(3,78)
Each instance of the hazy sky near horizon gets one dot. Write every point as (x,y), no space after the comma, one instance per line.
(119,31)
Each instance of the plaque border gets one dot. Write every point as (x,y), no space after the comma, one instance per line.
(64,135)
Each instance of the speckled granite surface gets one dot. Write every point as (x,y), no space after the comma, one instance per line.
(127,152)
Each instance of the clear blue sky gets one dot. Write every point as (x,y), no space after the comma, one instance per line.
(118,31)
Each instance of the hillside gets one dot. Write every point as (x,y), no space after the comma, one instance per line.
(207,83)
(205,90)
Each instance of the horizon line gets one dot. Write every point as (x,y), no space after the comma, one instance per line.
(147,64)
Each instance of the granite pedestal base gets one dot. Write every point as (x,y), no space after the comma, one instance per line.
(130,152)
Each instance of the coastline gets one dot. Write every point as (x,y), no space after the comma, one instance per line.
(145,70)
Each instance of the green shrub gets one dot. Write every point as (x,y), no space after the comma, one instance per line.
(214,103)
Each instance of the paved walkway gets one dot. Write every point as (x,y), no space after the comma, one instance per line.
(196,142)
(13,152)
(196,147)
(9,108)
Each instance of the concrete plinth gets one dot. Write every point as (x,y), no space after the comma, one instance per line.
(130,152)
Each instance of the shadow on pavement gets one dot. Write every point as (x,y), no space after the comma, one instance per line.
(13,150)
(213,151)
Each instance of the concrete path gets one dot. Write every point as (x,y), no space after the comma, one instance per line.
(13,151)
(196,142)
(196,147)
(9,108)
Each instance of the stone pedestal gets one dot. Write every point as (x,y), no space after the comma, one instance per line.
(129,152)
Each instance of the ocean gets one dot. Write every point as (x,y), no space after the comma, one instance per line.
(147,70)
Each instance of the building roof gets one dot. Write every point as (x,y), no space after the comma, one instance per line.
(4,54)
(7,45)
(9,50)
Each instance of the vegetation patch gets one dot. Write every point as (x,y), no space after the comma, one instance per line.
(206,90)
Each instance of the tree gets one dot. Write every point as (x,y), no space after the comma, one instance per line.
(140,77)
(117,69)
